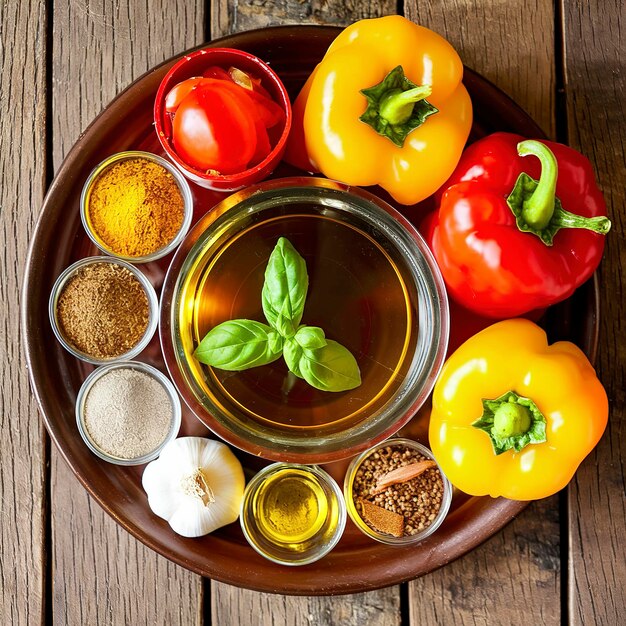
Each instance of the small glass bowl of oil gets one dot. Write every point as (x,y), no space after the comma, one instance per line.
(293,514)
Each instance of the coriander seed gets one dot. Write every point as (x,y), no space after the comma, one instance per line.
(397,491)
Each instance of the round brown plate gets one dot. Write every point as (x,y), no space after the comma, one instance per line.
(357,564)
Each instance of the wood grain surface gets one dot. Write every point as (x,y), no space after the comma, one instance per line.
(595,88)
(511,43)
(493,584)
(230,16)
(102,575)
(240,607)
(22,442)
(64,561)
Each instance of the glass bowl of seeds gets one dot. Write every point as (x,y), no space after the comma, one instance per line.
(136,206)
(396,493)
(103,310)
(127,412)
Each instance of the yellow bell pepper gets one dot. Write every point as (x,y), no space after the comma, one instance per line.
(513,416)
(386,107)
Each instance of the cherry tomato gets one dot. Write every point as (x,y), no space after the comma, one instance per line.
(260,108)
(271,113)
(214,127)
(268,110)
(263,146)
(179,92)
(219,121)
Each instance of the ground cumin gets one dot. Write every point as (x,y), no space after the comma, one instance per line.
(135,207)
(103,310)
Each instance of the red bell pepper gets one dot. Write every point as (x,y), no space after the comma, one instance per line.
(497,234)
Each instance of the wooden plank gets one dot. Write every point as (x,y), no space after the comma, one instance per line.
(230,605)
(512,579)
(510,43)
(22,171)
(494,583)
(595,83)
(236,16)
(101,574)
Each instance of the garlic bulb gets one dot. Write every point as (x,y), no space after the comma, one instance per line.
(196,484)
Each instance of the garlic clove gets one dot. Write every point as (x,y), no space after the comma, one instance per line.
(185,456)
(163,488)
(192,519)
(196,484)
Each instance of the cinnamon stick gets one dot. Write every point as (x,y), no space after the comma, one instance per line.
(401,475)
(381,519)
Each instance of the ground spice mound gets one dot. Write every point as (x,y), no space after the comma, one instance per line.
(127,413)
(135,207)
(103,310)
(417,500)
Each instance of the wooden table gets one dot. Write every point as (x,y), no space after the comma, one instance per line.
(62,559)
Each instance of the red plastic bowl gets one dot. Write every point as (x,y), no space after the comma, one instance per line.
(195,64)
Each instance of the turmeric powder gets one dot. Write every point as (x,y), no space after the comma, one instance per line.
(135,207)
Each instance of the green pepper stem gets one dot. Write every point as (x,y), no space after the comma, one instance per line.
(600,224)
(536,208)
(510,420)
(396,106)
(539,208)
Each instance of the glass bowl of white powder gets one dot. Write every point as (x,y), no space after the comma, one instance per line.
(126,412)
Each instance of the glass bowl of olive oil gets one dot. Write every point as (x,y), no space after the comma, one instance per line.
(373,286)
(293,514)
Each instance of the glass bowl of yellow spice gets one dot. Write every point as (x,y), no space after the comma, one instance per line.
(136,206)
(293,514)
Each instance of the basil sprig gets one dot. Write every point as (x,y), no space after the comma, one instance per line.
(285,288)
(237,345)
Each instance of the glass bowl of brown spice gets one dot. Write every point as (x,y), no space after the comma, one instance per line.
(396,493)
(136,206)
(103,310)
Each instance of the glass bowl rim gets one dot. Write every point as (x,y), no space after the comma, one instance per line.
(151,371)
(289,450)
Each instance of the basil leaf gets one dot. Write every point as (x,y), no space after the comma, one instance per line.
(329,368)
(293,353)
(239,344)
(310,337)
(285,288)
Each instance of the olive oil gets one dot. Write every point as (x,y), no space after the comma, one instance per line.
(293,514)
(357,293)
(291,507)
